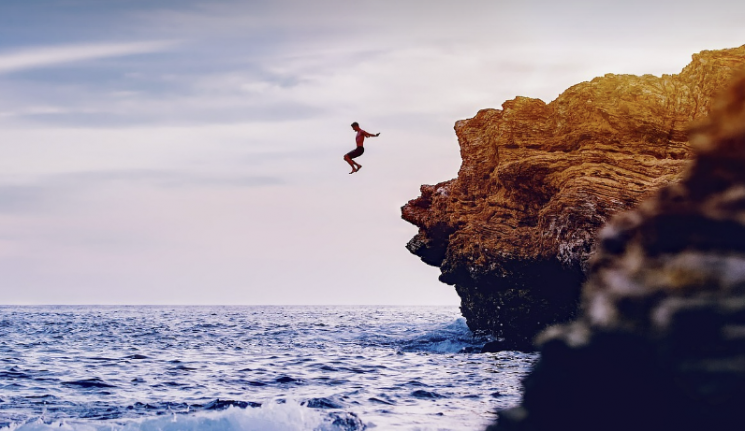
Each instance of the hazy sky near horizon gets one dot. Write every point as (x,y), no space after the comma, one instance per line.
(190,152)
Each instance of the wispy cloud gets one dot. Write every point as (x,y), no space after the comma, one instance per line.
(47,192)
(162,178)
(37,57)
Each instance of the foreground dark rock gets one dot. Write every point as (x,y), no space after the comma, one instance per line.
(514,231)
(660,343)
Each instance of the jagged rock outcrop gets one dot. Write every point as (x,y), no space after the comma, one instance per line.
(660,343)
(514,231)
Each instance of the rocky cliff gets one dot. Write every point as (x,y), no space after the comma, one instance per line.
(514,231)
(660,343)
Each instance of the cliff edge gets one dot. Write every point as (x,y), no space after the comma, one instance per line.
(515,230)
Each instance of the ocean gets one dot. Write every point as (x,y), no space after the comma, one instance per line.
(268,368)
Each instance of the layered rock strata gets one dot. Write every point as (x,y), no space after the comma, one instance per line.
(514,231)
(660,343)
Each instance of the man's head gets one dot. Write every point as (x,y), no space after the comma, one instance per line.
(356,125)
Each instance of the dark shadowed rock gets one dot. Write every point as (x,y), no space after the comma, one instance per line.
(660,343)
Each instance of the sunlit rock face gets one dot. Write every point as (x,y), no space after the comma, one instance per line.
(660,342)
(515,230)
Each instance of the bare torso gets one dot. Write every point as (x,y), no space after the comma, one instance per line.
(360,137)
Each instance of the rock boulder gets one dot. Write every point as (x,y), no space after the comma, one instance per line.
(660,342)
(515,230)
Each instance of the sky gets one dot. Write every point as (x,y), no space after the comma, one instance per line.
(190,151)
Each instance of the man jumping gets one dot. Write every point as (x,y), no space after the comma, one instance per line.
(361,135)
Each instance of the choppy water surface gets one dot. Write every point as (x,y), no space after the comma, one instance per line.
(249,368)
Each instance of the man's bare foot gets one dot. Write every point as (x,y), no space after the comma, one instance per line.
(358,168)
(354,169)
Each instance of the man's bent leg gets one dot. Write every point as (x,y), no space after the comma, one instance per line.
(351,163)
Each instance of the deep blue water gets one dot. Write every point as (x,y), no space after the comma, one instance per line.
(249,368)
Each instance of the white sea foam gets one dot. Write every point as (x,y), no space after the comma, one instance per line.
(270,417)
(454,337)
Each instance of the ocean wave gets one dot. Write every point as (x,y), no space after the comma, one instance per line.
(454,337)
(289,416)
(148,368)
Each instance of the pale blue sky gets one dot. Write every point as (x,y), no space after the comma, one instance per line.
(189,152)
